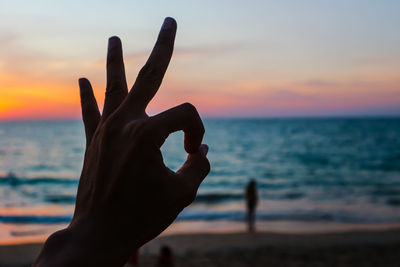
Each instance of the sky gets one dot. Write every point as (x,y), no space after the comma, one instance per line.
(231,59)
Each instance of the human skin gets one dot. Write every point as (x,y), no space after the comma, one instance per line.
(126,194)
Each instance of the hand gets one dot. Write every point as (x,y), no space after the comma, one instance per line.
(126,195)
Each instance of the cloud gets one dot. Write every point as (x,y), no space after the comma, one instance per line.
(321,83)
(20,63)
(361,88)
(7,38)
(192,52)
(35,83)
(304,98)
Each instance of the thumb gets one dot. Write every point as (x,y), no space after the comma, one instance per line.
(196,167)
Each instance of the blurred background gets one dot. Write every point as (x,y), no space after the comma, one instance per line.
(302,96)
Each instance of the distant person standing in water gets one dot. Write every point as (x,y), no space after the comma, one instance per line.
(251,203)
(133,260)
(165,259)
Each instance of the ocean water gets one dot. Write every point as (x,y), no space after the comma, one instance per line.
(308,171)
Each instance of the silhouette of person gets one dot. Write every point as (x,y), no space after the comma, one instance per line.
(165,258)
(251,203)
(133,259)
(126,195)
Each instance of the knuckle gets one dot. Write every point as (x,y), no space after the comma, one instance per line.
(165,41)
(86,107)
(202,130)
(89,114)
(85,94)
(188,107)
(108,128)
(203,167)
(149,72)
(111,60)
(191,109)
(207,165)
(144,129)
(115,87)
(126,130)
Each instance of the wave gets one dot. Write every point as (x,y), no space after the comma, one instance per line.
(303,216)
(235,215)
(12,180)
(386,191)
(61,199)
(393,201)
(28,233)
(45,189)
(35,219)
(212,198)
(217,197)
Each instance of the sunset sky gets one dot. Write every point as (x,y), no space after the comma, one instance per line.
(232,58)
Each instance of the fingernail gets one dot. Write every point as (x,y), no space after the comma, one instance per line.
(204,149)
(81,81)
(82,85)
(112,42)
(168,24)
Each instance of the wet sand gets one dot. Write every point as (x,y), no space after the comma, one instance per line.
(353,248)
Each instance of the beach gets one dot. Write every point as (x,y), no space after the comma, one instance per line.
(349,248)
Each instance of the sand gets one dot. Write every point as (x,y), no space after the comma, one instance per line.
(352,248)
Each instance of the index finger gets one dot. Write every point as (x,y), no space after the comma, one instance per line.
(184,117)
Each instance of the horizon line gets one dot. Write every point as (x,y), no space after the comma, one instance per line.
(380,116)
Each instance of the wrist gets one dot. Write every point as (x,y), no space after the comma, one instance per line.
(83,245)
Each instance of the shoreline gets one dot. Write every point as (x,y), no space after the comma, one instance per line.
(27,234)
(263,246)
(278,227)
(245,240)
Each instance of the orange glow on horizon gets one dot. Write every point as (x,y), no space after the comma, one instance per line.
(21,99)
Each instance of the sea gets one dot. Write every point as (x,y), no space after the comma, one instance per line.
(312,174)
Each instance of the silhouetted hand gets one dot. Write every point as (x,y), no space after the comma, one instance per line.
(126,195)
